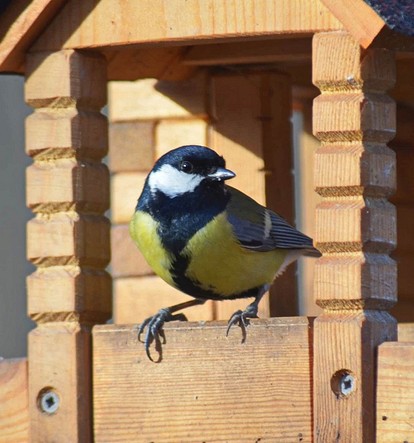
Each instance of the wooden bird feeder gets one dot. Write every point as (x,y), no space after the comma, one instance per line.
(224,74)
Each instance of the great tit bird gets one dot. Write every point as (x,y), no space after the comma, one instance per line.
(207,239)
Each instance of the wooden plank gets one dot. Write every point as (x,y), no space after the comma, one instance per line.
(366,26)
(133,62)
(266,51)
(21,23)
(395,392)
(162,99)
(68,239)
(109,23)
(207,387)
(358,18)
(14,399)
(356,280)
(406,332)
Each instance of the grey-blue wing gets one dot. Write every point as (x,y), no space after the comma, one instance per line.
(260,229)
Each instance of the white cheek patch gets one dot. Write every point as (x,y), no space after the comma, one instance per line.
(172,182)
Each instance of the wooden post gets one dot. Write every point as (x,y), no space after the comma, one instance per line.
(355,281)
(68,239)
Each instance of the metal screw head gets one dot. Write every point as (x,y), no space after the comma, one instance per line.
(48,401)
(347,384)
(343,383)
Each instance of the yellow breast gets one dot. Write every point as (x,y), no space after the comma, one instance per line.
(143,230)
(220,263)
(217,261)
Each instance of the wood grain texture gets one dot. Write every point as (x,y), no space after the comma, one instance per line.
(207,387)
(133,62)
(359,19)
(84,294)
(68,239)
(347,341)
(159,99)
(395,392)
(68,184)
(21,23)
(66,133)
(265,51)
(356,280)
(59,356)
(71,88)
(406,332)
(108,23)
(14,398)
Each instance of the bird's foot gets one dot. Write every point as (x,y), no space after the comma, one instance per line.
(155,330)
(242,318)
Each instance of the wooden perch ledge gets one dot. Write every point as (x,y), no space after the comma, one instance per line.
(201,387)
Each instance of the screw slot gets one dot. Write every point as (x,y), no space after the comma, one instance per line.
(48,401)
(343,383)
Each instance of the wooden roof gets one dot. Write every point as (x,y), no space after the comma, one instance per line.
(157,29)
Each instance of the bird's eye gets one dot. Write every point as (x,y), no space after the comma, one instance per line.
(186,166)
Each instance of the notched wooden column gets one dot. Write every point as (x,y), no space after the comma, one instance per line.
(356,280)
(68,239)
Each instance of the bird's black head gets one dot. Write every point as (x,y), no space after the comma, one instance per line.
(184,169)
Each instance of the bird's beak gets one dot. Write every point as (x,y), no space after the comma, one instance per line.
(221,174)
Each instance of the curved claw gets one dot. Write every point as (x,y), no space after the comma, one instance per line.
(155,331)
(242,319)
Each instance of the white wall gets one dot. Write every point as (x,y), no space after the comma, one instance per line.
(14,268)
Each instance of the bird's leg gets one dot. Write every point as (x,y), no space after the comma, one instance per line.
(242,317)
(155,323)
